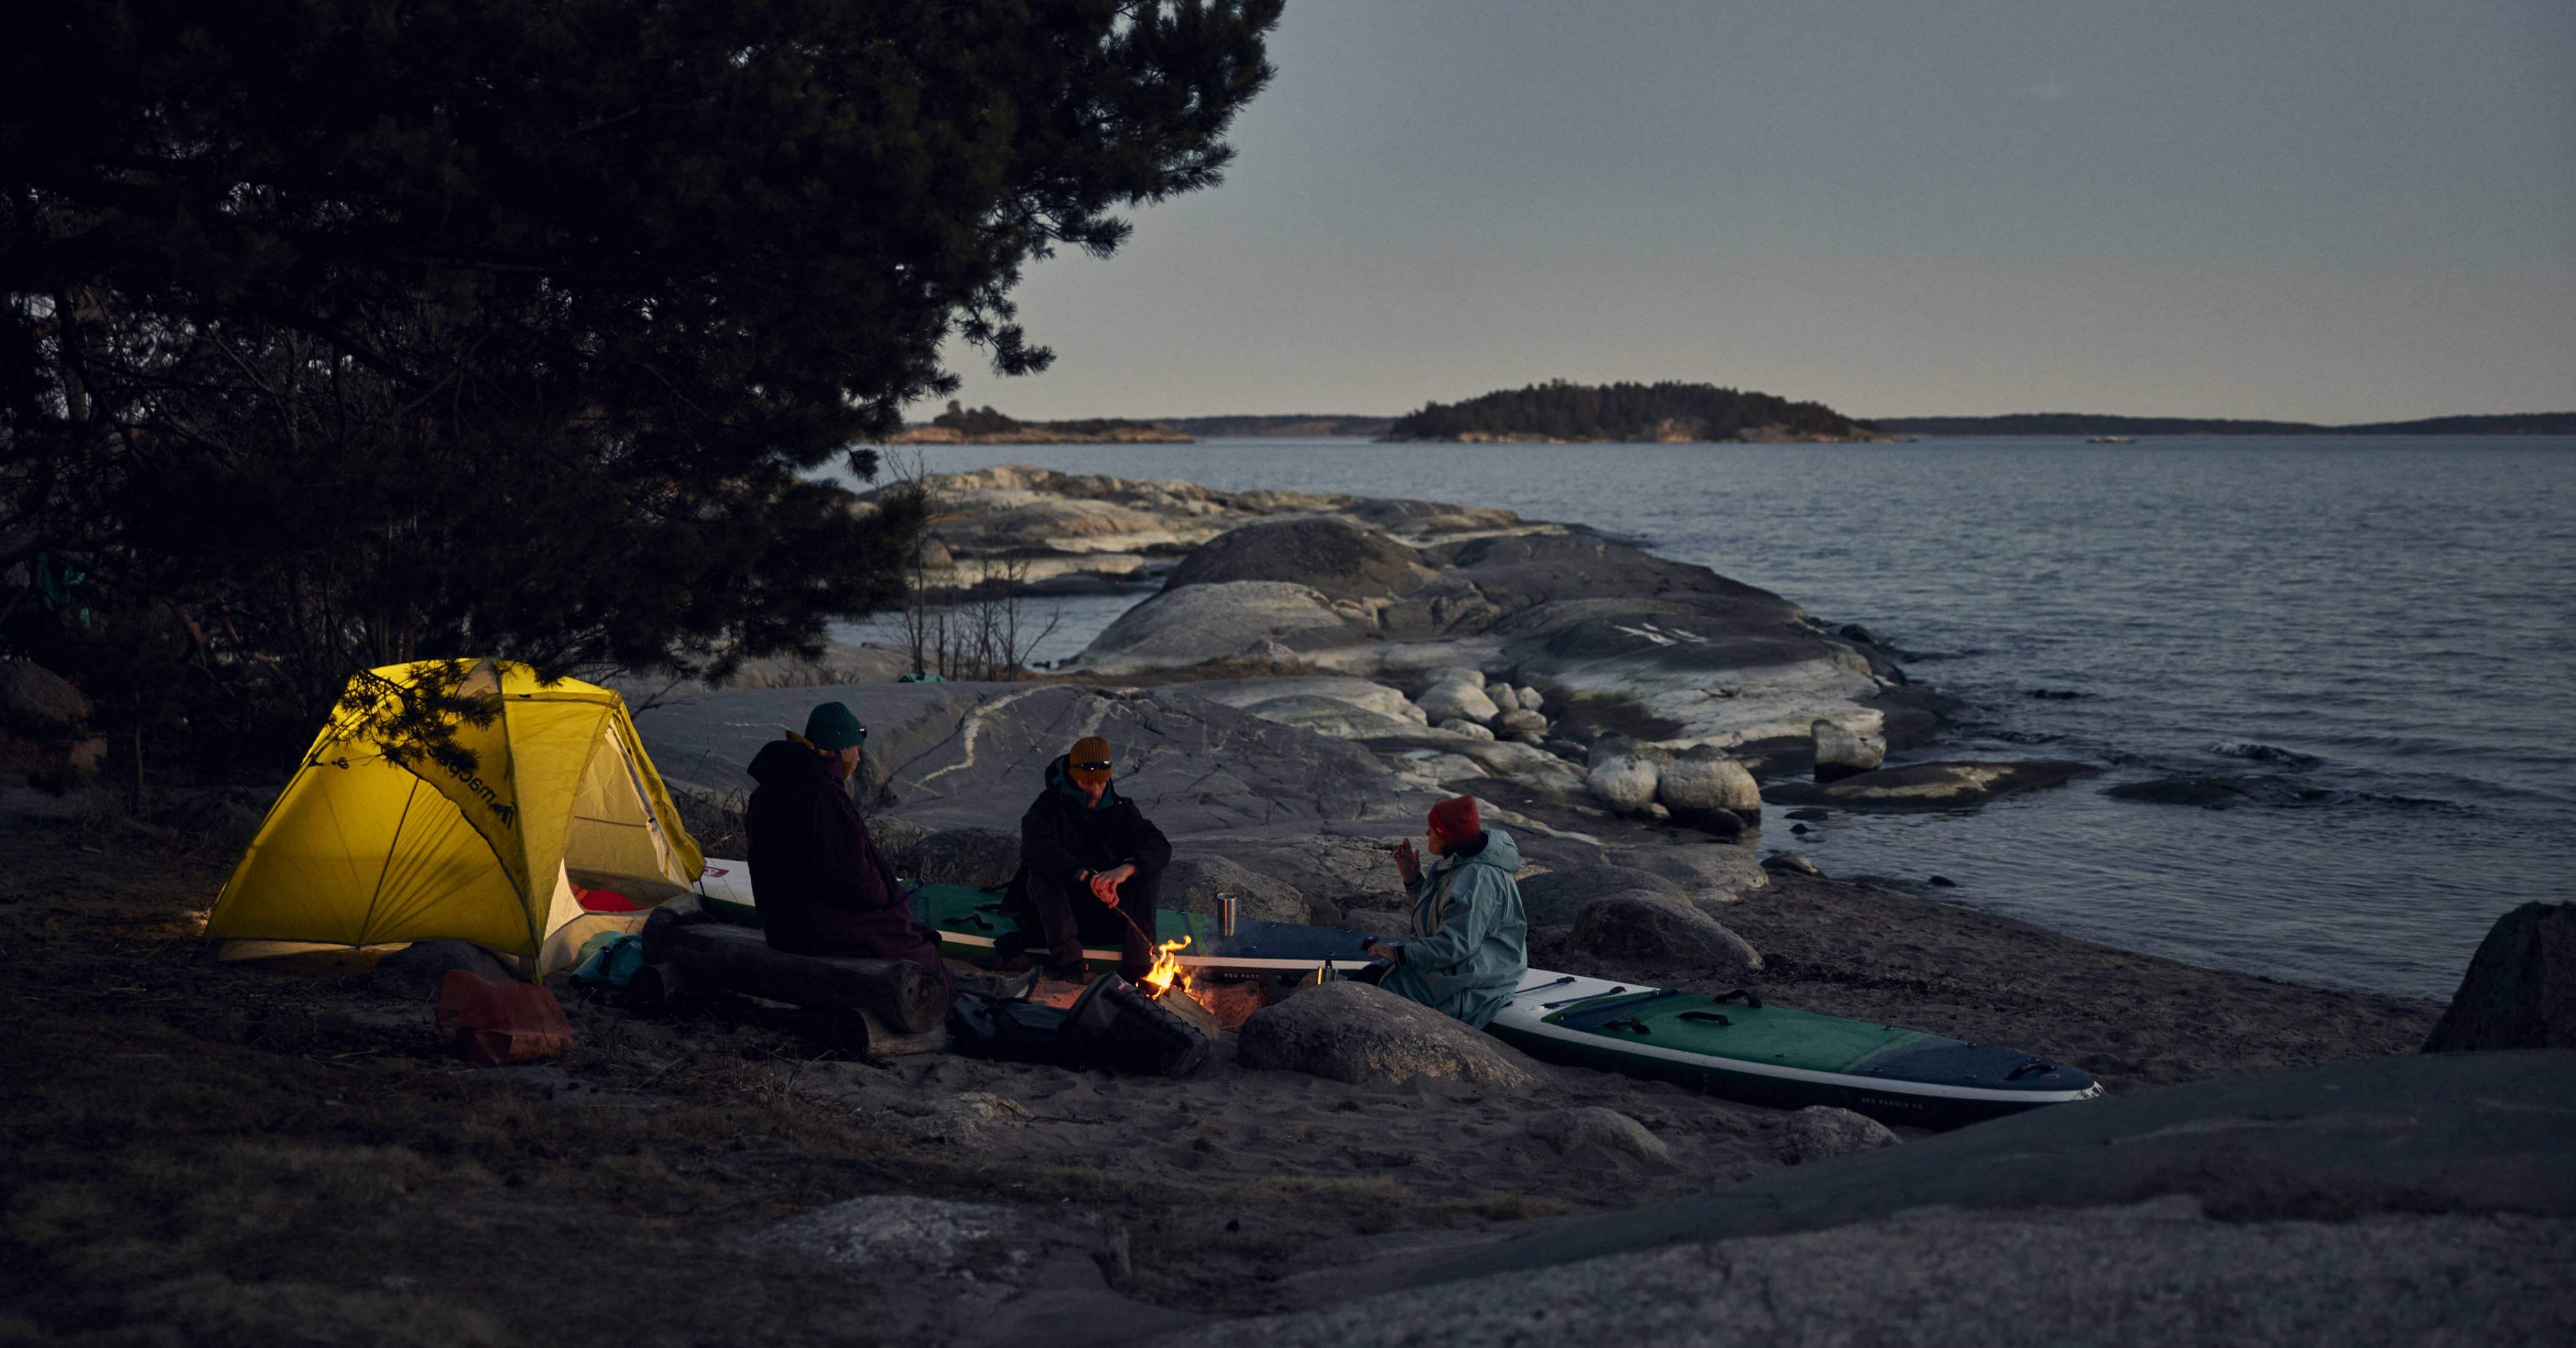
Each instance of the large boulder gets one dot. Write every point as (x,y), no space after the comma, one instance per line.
(1530,698)
(1705,779)
(1336,557)
(1553,899)
(1842,751)
(984,857)
(1357,1033)
(1198,623)
(36,701)
(1645,926)
(1463,726)
(1525,727)
(2520,990)
(1706,872)
(1194,881)
(1625,783)
(1456,701)
(1823,1132)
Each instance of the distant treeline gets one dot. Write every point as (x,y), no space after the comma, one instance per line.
(1666,412)
(981,422)
(1299,424)
(2087,424)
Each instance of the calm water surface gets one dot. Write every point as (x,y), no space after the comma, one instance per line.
(2398,613)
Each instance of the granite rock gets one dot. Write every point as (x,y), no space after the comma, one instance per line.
(1356,1033)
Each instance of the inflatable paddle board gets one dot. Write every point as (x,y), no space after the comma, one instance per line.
(1742,1048)
(970,921)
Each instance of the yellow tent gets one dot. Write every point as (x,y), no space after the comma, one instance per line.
(362,851)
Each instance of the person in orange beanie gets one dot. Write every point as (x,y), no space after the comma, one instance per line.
(1470,945)
(1091,866)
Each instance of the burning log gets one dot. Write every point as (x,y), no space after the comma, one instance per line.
(906,999)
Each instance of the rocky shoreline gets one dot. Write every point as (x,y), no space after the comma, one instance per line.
(1315,671)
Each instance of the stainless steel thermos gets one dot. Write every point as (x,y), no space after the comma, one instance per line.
(1225,914)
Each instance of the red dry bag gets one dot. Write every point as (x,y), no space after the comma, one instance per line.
(497,1023)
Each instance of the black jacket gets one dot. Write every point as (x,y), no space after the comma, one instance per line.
(1062,835)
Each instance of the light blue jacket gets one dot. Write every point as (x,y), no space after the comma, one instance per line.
(1471,943)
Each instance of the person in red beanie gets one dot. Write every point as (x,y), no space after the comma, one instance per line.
(1470,943)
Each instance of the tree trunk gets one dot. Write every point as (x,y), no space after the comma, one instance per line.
(909,998)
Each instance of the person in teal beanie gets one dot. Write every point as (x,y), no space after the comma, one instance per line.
(1470,945)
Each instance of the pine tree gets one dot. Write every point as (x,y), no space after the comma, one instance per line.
(340,332)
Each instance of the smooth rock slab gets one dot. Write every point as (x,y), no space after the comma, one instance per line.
(950,754)
(1553,899)
(1649,926)
(1705,871)
(1358,1034)
(1934,786)
(984,857)
(2156,1274)
(2520,990)
(1194,881)
(1199,623)
(1823,1132)
(1340,559)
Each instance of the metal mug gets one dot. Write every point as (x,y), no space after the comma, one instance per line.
(1225,914)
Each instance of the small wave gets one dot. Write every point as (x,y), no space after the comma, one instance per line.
(2262,753)
(2416,803)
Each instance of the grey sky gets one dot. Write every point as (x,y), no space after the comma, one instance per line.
(2334,210)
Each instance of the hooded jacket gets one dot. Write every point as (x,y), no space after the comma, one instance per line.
(822,885)
(1062,835)
(1471,942)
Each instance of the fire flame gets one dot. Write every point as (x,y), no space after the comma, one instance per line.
(1166,973)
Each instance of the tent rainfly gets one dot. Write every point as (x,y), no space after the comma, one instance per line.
(360,850)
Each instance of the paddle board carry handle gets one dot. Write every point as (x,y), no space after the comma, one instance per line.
(1609,1013)
(2034,1065)
(1751,998)
(1710,1017)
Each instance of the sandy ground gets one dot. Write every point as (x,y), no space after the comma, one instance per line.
(206,1153)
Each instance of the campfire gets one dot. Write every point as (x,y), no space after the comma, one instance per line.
(1167,972)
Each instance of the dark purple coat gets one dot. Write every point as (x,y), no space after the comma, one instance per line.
(822,885)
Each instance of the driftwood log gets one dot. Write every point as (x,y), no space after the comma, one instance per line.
(905,998)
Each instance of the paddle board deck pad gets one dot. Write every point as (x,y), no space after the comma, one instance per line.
(1742,1048)
(970,921)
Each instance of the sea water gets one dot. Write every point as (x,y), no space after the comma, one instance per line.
(2389,623)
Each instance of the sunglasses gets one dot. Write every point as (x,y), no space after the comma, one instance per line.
(1098,766)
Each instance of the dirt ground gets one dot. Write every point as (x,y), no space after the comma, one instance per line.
(205,1153)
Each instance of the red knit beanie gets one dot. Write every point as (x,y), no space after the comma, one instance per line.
(1456,819)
